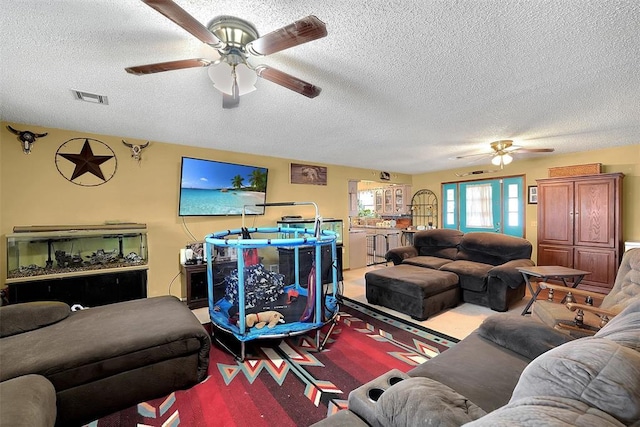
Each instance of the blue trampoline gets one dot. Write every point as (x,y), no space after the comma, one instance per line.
(304,301)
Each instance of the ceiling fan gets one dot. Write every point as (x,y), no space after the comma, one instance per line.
(235,40)
(503,150)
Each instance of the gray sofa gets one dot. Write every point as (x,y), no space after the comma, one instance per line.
(97,361)
(512,371)
(485,263)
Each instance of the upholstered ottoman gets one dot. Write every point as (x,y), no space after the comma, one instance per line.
(416,291)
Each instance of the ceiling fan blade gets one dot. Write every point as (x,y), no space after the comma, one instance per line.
(168,66)
(301,31)
(535,150)
(181,17)
(288,81)
(479,172)
(466,156)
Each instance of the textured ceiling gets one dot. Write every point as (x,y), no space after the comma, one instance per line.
(406,85)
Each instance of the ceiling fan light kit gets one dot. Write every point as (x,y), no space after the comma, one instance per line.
(501,159)
(235,39)
(225,76)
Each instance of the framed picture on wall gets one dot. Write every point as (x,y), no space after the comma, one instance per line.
(308,174)
(533,194)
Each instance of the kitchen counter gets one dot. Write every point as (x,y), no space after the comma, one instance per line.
(397,222)
(406,237)
(374,227)
(357,249)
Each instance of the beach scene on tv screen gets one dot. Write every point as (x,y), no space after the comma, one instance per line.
(215,188)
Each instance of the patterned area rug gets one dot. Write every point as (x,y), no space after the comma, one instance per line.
(287,383)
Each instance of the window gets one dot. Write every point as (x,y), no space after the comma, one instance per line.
(451,213)
(479,212)
(366,204)
(495,205)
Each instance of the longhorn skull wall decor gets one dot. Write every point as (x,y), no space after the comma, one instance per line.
(27,138)
(136,149)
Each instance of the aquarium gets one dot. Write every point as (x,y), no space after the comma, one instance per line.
(36,252)
(212,188)
(329,224)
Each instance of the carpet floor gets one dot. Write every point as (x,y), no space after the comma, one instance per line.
(286,382)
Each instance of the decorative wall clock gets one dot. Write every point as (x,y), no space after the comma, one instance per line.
(86,161)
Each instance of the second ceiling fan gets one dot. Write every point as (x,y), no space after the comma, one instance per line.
(503,150)
(235,40)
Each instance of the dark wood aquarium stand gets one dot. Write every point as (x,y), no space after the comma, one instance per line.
(87,290)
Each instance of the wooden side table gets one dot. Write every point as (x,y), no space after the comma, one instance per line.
(546,272)
(195,284)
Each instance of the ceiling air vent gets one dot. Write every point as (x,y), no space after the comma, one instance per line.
(90,97)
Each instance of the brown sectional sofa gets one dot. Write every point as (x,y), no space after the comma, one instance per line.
(485,264)
(98,360)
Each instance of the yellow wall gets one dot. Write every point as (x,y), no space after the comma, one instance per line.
(32,192)
(620,159)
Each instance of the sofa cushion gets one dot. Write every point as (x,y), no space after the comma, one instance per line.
(624,329)
(427,261)
(522,335)
(547,411)
(493,248)
(477,368)
(596,371)
(626,287)
(29,401)
(472,275)
(441,242)
(417,282)
(423,401)
(24,317)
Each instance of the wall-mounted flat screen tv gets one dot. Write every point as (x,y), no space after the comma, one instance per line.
(209,188)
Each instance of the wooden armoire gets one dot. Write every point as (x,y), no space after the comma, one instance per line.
(580,226)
